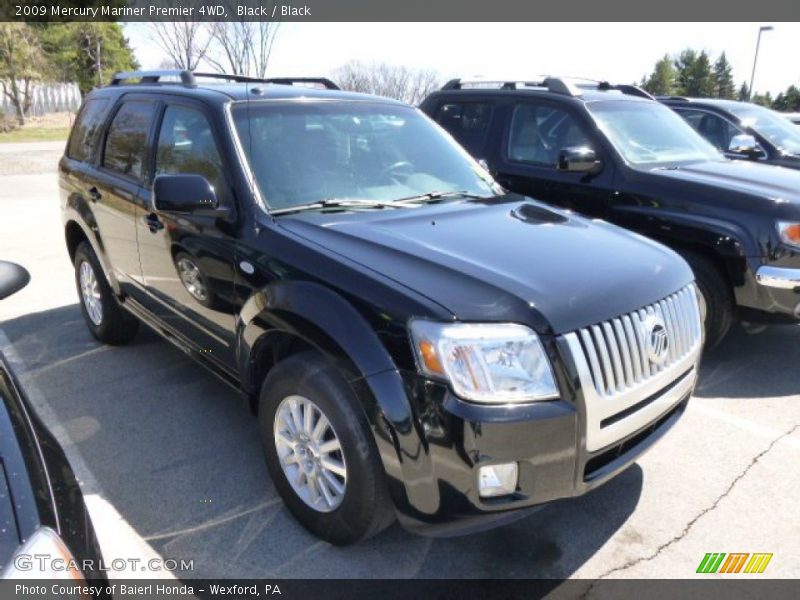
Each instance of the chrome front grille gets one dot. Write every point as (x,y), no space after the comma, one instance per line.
(617,350)
(627,383)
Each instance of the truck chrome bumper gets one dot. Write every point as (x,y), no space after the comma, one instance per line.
(777,277)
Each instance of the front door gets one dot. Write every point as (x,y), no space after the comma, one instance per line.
(535,135)
(187,262)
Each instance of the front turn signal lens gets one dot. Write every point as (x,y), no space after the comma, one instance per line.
(790,233)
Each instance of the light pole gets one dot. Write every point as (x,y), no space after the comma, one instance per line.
(761,29)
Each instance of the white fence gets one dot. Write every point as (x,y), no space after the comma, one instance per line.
(48,98)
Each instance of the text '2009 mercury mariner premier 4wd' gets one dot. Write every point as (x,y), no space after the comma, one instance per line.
(415,340)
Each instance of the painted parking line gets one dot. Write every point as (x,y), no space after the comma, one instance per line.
(763,431)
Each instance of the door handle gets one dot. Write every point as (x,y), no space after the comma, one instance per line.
(153,223)
(94,194)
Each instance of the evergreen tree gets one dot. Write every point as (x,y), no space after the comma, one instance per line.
(744,92)
(723,78)
(661,81)
(694,74)
(87,52)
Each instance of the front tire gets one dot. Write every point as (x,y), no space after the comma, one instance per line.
(320,451)
(716,294)
(106,319)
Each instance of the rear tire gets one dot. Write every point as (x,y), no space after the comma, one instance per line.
(713,286)
(106,319)
(359,505)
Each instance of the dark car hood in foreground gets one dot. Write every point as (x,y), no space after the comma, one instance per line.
(550,269)
(766,187)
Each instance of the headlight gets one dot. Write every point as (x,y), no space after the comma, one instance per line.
(487,362)
(790,233)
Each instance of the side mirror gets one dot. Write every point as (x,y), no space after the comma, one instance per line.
(746,145)
(12,278)
(186,194)
(578,159)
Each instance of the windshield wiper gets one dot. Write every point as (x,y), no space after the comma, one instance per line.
(333,203)
(432,197)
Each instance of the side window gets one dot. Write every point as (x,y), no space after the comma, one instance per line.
(539,133)
(87,125)
(467,122)
(715,129)
(186,145)
(126,143)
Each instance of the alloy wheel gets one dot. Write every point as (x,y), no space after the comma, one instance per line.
(90,293)
(310,453)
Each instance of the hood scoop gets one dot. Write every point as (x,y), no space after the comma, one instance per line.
(537,215)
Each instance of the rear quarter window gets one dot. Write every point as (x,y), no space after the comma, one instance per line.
(86,128)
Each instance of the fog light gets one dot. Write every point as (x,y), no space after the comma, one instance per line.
(497,480)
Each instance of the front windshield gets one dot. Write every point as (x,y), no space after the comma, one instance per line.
(314,151)
(650,133)
(773,126)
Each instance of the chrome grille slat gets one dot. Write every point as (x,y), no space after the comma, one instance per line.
(633,345)
(607,386)
(624,350)
(616,350)
(616,361)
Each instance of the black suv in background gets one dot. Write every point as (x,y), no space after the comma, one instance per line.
(613,153)
(45,529)
(413,339)
(741,129)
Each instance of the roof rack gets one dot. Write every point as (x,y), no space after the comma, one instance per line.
(189,78)
(567,86)
(630,90)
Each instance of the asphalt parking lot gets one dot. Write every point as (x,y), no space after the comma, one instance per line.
(170,460)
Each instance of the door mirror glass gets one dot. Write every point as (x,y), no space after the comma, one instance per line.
(745,145)
(185,193)
(578,159)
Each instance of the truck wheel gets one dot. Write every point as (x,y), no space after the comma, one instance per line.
(320,451)
(716,294)
(105,318)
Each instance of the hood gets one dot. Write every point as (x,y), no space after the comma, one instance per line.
(771,187)
(510,259)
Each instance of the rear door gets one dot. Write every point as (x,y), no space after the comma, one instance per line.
(117,182)
(187,261)
(469,122)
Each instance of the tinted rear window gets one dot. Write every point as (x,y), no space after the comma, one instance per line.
(87,126)
(126,143)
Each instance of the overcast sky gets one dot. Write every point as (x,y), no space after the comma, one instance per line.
(618,52)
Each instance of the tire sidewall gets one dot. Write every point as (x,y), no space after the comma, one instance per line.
(311,378)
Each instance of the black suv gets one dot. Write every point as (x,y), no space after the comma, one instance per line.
(613,153)
(414,340)
(741,129)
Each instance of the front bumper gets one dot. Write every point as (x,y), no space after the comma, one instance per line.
(778,277)
(613,406)
(771,295)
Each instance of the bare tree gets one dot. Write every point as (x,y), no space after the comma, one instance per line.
(22,62)
(185,43)
(242,47)
(395,81)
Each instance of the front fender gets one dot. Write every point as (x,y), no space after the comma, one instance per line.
(730,242)
(328,322)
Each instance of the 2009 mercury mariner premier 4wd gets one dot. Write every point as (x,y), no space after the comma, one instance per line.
(415,341)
